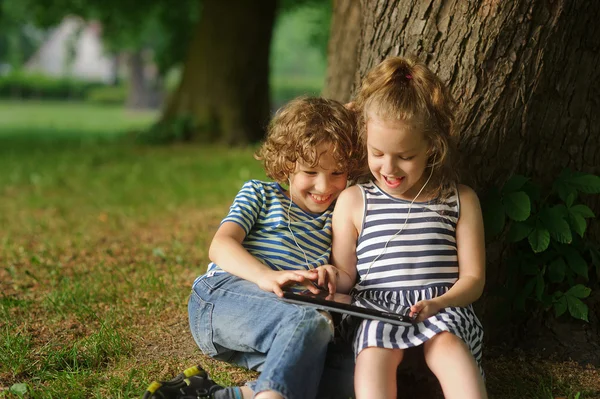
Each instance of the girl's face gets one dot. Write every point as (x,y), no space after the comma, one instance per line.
(397,156)
(315,188)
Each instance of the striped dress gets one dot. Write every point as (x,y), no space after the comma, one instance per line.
(419,263)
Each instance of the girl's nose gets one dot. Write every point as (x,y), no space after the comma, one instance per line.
(388,167)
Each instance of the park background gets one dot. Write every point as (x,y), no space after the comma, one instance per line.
(126,130)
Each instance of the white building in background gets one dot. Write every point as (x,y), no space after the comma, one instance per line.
(74,48)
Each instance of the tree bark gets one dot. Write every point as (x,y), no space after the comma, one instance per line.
(342,50)
(225,85)
(526,77)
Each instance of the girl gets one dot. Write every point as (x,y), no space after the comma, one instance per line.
(274,237)
(413,235)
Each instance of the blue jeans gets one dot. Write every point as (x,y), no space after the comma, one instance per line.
(235,321)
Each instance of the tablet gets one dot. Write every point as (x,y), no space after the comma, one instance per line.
(352,305)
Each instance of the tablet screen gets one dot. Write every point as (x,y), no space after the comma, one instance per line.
(353,305)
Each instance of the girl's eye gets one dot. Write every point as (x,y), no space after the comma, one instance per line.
(337,173)
(406,158)
(377,155)
(310,172)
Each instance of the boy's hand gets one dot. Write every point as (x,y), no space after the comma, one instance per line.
(327,276)
(425,309)
(274,281)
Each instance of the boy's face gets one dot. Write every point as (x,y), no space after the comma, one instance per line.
(315,188)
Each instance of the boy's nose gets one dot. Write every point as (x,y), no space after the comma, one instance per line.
(322,184)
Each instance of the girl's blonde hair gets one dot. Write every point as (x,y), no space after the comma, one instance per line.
(405,90)
(302,125)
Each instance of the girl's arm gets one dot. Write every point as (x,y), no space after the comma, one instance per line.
(347,218)
(471,259)
(226,250)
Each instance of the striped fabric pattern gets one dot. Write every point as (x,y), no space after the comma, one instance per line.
(419,263)
(261,208)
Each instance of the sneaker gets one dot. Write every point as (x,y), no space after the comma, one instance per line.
(193,383)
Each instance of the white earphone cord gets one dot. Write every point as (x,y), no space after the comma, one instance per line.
(290,227)
(402,228)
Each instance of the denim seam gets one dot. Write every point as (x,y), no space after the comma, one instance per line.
(283,354)
(210,348)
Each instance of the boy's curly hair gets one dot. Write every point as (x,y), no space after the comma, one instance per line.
(299,127)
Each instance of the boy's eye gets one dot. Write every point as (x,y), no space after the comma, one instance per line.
(337,173)
(310,172)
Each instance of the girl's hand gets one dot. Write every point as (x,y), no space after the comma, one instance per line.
(425,309)
(274,281)
(327,276)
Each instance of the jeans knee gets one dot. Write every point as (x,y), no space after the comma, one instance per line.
(321,325)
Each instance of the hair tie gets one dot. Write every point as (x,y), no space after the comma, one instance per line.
(408,76)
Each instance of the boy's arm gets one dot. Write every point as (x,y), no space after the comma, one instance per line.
(470,246)
(347,217)
(226,250)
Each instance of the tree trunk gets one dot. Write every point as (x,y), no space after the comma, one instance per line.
(342,50)
(225,85)
(526,76)
(138,93)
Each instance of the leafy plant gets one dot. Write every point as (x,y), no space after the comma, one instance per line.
(552,263)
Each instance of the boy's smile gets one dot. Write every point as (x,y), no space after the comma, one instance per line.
(314,189)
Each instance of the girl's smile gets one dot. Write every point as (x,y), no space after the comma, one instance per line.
(397,155)
(393,182)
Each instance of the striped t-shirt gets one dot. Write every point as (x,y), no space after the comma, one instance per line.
(261,209)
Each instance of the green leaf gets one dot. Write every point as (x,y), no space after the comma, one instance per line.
(563,189)
(556,270)
(571,199)
(539,286)
(560,306)
(553,219)
(582,210)
(576,262)
(577,223)
(18,389)
(579,291)
(517,206)
(514,183)
(539,239)
(586,183)
(518,231)
(532,190)
(577,309)
(493,214)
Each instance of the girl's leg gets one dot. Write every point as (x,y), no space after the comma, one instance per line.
(451,361)
(375,372)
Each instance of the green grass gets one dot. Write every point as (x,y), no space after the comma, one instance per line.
(100,242)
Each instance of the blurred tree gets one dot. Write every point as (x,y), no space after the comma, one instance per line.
(342,53)
(224,90)
(18,38)
(157,28)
